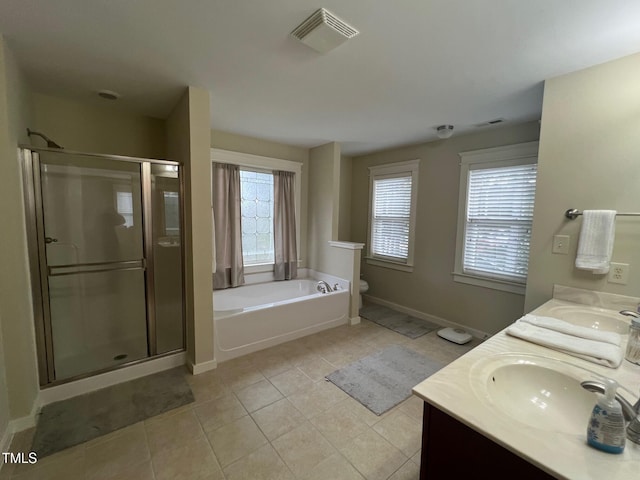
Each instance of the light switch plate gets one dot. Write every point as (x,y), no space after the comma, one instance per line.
(619,273)
(561,244)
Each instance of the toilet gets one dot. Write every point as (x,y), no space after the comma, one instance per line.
(364,287)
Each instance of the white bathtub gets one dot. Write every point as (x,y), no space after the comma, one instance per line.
(254,317)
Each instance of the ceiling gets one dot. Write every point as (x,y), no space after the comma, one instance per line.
(416,64)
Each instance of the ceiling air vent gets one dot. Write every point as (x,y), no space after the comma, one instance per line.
(323,31)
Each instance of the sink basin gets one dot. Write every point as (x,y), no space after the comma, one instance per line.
(596,318)
(535,391)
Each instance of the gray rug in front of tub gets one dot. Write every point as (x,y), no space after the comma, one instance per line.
(402,323)
(75,420)
(384,379)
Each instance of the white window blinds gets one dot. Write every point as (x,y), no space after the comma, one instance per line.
(498,222)
(391,217)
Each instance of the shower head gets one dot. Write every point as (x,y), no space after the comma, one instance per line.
(50,143)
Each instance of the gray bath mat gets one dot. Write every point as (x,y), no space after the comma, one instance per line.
(384,379)
(402,323)
(76,420)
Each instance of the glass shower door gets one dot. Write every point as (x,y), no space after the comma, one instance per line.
(92,218)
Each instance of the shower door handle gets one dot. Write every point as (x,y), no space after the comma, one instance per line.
(98,267)
(50,240)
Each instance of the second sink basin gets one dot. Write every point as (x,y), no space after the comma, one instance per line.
(535,391)
(596,318)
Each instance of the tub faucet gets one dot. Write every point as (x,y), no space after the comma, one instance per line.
(630,412)
(323,287)
(629,313)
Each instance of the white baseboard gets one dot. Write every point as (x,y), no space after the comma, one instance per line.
(426,316)
(354,320)
(86,385)
(22,423)
(198,368)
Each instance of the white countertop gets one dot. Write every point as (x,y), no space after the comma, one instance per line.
(560,454)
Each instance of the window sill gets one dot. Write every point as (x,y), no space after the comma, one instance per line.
(403,267)
(492,283)
(259,268)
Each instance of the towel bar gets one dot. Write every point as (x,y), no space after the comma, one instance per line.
(572,214)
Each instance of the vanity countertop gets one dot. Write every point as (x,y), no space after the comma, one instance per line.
(560,454)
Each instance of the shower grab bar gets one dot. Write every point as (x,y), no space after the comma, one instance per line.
(117,265)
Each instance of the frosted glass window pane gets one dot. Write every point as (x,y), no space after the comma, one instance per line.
(256,191)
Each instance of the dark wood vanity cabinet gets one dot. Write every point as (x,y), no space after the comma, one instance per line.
(451,450)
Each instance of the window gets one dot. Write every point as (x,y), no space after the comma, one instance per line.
(256,208)
(124,206)
(497,193)
(171,213)
(393,190)
(256,192)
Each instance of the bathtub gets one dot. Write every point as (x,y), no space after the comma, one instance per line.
(254,317)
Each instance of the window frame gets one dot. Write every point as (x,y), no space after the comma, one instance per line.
(394,170)
(497,157)
(267,165)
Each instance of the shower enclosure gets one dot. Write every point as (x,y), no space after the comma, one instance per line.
(106,257)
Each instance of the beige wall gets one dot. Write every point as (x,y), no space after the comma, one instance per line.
(589,159)
(266,148)
(324,170)
(17,356)
(344,200)
(86,127)
(430,288)
(188,141)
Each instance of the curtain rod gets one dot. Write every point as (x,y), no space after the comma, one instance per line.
(572,214)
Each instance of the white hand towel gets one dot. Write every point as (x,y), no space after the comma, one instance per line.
(571,329)
(597,352)
(596,240)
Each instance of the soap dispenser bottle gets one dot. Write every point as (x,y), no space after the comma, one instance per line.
(606,429)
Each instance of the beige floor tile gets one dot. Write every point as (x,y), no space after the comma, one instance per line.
(316,368)
(143,471)
(192,461)
(273,364)
(239,378)
(416,458)
(258,395)
(303,448)
(263,464)
(362,412)
(373,456)
(68,466)
(413,406)
(291,381)
(216,413)
(278,418)
(408,471)
(109,458)
(172,432)
(335,467)
(402,431)
(235,440)
(61,458)
(209,390)
(322,396)
(339,424)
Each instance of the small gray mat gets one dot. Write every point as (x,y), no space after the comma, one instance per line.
(402,323)
(384,379)
(76,420)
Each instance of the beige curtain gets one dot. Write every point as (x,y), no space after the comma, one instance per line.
(284,226)
(227,226)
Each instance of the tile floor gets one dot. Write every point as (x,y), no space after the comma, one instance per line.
(268,415)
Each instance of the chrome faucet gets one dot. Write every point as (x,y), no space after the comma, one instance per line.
(323,287)
(631,413)
(629,313)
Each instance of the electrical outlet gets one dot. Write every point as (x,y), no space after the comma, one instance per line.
(619,273)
